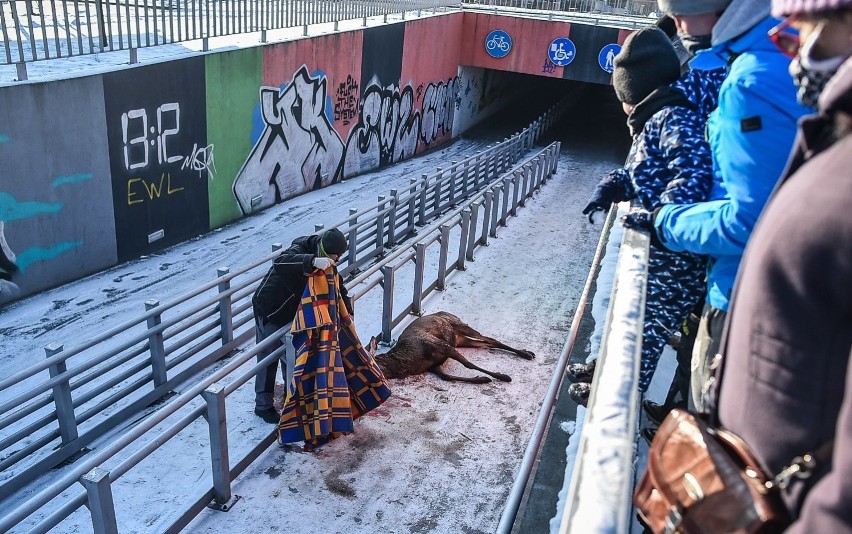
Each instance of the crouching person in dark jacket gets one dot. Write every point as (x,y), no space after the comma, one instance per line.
(276,301)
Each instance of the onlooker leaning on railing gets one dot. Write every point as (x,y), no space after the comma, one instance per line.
(786,388)
(750,133)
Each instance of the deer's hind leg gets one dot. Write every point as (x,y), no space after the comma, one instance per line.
(468,337)
(452,378)
(457,356)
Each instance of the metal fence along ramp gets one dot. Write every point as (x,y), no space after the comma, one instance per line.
(77,396)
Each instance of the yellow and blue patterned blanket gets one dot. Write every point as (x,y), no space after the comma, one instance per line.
(335,380)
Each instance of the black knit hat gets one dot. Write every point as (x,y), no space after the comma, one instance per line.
(333,242)
(647,60)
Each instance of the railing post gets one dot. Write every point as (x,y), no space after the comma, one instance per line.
(101,506)
(155,346)
(352,239)
(62,397)
(504,212)
(214,396)
(443,257)
(392,217)
(380,226)
(226,314)
(419,268)
(21,71)
(387,303)
(465,178)
(452,196)
(526,176)
(486,217)
(516,178)
(476,170)
(412,203)
(465,224)
(497,190)
(422,208)
(471,231)
(438,184)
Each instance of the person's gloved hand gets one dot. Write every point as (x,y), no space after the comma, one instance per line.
(322,263)
(639,220)
(610,189)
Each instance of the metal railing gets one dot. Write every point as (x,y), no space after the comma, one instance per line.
(613,7)
(468,225)
(94,388)
(601,485)
(35,30)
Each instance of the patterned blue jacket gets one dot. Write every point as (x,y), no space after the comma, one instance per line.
(669,162)
(750,133)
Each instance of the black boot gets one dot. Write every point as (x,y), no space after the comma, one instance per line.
(581,372)
(656,412)
(580,392)
(269,415)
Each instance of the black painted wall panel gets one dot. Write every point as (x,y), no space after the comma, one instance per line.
(156,124)
(589,41)
(382,55)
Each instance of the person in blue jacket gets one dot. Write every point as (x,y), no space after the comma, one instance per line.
(750,134)
(669,162)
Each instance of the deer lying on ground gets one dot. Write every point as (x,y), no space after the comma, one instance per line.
(429,341)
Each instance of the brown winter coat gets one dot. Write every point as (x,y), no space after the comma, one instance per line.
(787,386)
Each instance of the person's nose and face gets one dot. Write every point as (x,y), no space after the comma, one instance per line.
(831,36)
(695,25)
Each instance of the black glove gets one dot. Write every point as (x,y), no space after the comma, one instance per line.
(639,220)
(610,189)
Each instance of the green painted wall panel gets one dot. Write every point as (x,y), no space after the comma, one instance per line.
(233,85)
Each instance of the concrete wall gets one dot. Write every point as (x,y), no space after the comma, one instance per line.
(99,170)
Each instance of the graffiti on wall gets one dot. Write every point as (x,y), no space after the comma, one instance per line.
(439,105)
(388,129)
(346,105)
(391,126)
(298,149)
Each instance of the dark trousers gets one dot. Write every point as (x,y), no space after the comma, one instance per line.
(264,382)
(678,395)
(706,346)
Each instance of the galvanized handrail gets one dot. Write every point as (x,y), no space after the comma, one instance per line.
(601,485)
(36,30)
(51,418)
(97,481)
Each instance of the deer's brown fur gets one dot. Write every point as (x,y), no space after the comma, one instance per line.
(429,341)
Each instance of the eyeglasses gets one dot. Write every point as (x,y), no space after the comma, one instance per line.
(786,38)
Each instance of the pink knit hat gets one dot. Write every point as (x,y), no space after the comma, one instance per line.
(784,8)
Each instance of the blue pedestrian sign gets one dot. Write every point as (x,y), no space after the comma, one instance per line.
(498,43)
(561,51)
(607,55)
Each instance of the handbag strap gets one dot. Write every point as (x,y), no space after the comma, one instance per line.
(802,467)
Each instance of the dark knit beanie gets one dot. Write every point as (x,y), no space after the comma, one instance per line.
(647,60)
(333,242)
(783,8)
(692,7)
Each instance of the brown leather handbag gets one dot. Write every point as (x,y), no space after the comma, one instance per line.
(705,480)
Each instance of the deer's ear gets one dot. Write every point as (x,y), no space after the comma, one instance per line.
(373,345)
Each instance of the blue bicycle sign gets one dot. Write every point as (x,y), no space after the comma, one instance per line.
(561,51)
(498,43)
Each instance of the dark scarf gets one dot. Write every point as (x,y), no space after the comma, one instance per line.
(658,99)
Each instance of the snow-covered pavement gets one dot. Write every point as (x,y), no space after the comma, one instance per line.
(438,456)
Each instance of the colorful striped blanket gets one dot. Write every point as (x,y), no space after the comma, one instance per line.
(335,380)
